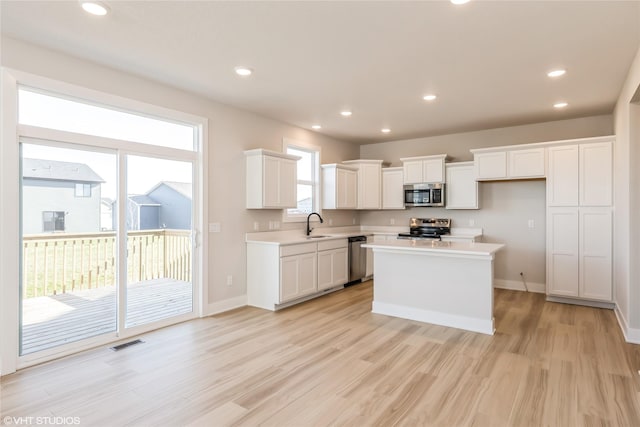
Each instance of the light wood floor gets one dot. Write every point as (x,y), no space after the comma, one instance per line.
(331,361)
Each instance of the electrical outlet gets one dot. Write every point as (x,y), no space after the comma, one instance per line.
(256,226)
(392,221)
(531,223)
(330,221)
(214,227)
(276,225)
(472,222)
(229,280)
(353,221)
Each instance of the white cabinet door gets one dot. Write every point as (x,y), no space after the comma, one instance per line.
(349,189)
(562,252)
(298,276)
(595,253)
(562,177)
(332,268)
(491,165)
(287,184)
(462,187)
(392,190)
(433,170)
(526,163)
(271,181)
(412,172)
(596,174)
(369,180)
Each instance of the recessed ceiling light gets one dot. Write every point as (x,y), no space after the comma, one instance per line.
(316,127)
(429,97)
(459,1)
(243,71)
(95,7)
(385,130)
(560,105)
(346,113)
(556,73)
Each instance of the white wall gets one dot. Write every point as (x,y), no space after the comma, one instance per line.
(457,145)
(505,207)
(231,131)
(627,202)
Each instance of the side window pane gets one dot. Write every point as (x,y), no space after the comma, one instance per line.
(50,111)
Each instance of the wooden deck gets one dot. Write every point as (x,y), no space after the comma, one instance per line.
(60,319)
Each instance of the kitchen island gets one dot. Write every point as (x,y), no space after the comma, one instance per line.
(445,283)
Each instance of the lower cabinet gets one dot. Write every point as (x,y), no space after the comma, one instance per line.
(298,276)
(333,268)
(579,252)
(283,274)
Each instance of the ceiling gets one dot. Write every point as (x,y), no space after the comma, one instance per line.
(486,61)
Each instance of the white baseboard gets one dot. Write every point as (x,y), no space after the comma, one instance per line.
(631,335)
(454,321)
(226,305)
(517,285)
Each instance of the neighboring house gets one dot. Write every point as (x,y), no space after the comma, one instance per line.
(106,214)
(59,197)
(166,205)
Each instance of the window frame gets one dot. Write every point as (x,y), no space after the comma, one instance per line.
(55,216)
(84,193)
(316,188)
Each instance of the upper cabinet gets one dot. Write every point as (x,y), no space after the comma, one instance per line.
(418,170)
(369,183)
(271,179)
(392,190)
(339,186)
(511,163)
(580,175)
(462,187)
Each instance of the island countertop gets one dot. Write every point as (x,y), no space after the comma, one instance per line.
(437,247)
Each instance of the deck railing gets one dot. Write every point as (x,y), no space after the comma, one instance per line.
(59,263)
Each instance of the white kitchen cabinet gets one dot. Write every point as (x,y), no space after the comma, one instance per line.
(492,164)
(596,174)
(423,169)
(271,180)
(579,249)
(562,252)
(462,187)
(298,276)
(562,179)
(392,188)
(369,194)
(528,163)
(333,263)
(339,186)
(596,242)
(580,175)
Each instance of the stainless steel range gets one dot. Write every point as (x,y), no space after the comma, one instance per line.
(427,229)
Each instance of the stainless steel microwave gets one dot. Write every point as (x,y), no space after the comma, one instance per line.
(424,195)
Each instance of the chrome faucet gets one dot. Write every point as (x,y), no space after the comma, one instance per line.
(309,229)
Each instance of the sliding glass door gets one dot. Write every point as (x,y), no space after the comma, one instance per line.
(69,258)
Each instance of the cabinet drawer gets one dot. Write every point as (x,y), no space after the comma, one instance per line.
(303,248)
(332,244)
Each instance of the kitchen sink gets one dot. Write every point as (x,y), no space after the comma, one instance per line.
(316,237)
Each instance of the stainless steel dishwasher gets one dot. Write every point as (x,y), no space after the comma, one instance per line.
(357,259)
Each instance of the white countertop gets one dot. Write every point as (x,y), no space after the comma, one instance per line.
(294,237)
(421,246)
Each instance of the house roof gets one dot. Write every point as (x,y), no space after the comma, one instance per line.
(144,200)
(184,188)
(58,171)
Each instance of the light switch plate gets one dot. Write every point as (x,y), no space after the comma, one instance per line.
(214,227)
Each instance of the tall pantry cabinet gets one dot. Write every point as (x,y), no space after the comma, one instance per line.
(580,221)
